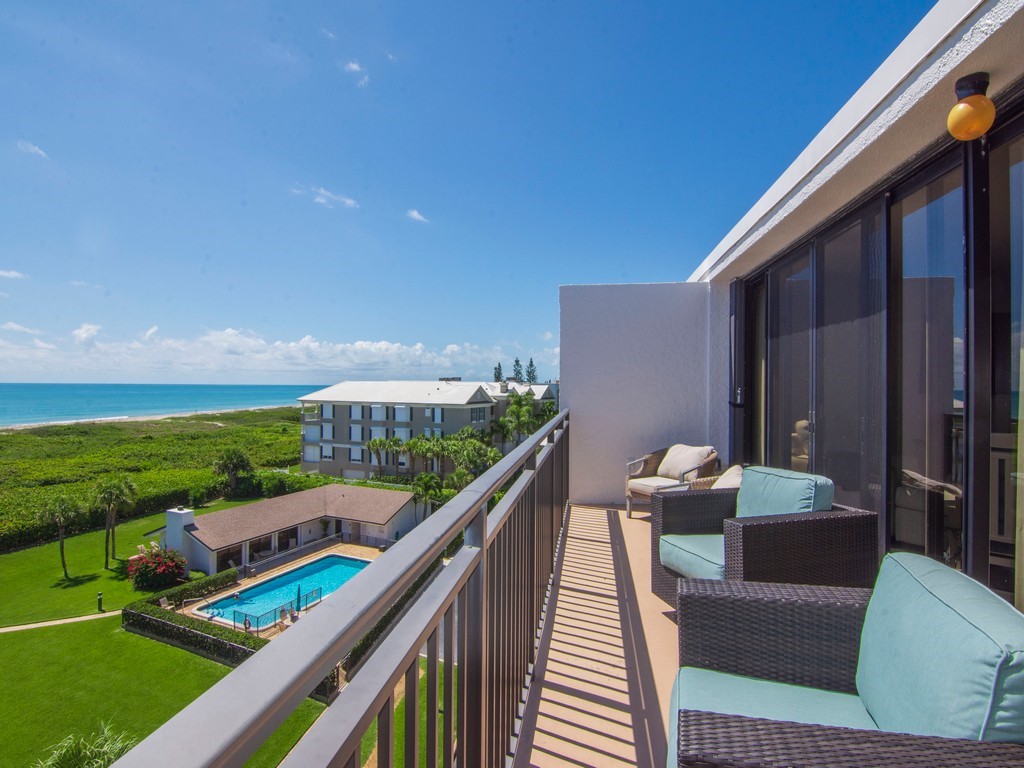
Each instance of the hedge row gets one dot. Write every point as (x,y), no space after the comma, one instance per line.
(369,640)
(197,588)
(185,631)
(229,645)
(157,491)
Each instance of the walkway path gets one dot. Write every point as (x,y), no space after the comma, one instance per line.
(596,701)
(55,622)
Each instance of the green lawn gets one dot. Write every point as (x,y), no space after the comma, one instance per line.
(33,588)
(66,679)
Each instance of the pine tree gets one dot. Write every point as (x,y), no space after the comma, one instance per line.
(531,372)
(498,374)
(517,370)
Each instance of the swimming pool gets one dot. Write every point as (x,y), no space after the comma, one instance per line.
(327,573)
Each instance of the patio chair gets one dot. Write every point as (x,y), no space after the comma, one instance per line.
(666,468)
(778,526)
(926,669)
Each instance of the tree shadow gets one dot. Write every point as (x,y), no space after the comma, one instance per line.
(75,581)
(119,570)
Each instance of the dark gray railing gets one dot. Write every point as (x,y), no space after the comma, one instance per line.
(477,621)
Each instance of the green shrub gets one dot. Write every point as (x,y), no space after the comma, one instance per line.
(229,645)
(365,644)
(198,588)
(156,568)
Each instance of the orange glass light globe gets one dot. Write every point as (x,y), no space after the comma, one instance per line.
(971,117)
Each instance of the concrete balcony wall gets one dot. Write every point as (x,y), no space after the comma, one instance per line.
(642,367)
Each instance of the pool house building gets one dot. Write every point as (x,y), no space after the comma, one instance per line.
(244,536)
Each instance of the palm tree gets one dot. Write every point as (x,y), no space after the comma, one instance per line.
(459,479)
(415,447)
(377,446)
(113,495)
(501,430)
(61,511)
(232,462)
(522,420)
(435,448)
(399,448)
(425,487)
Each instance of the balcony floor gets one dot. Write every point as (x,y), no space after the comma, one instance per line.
(608,653)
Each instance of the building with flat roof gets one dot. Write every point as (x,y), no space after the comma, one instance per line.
(339,420)
(245,535)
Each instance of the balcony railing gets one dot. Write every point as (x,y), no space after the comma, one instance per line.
(478,620)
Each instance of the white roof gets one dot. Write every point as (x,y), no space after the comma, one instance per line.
(540,391)
(402,392)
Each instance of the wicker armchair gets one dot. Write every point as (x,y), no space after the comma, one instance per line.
(801,635)
(646,469)
(837,547)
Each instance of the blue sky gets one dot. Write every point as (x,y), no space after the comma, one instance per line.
(310,192)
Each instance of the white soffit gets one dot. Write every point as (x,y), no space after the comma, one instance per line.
(897,114)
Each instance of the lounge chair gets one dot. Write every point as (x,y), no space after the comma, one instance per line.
(778,526)
(165,604)
(666,468)
(926,669)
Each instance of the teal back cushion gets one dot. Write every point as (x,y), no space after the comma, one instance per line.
(941,655)
(770,491)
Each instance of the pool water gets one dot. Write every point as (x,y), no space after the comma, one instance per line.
(328,573)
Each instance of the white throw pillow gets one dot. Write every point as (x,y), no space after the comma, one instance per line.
(730,478)
(683,460)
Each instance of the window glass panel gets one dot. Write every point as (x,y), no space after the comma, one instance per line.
(355,432)
(927,239)
(1006,528)
(355,412)
(377,412)
(355,455)
(849,353)
(790,354)
(327,410)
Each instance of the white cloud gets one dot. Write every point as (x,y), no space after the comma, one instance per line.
(547,336)
(31,149)
(150,333)
(389,55)
(19,328)
(415,215)
(86,332)
(237,355)
(11,274)
(363,81)
(353,66)
(325,197)
(327,33)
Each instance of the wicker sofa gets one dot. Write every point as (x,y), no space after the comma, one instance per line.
(926,670)
(666,468)
(835,546)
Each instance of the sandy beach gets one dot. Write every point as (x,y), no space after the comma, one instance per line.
(154,417)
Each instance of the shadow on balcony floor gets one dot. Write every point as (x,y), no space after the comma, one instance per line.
(607,656)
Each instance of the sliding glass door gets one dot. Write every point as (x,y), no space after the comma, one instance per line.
(927,239)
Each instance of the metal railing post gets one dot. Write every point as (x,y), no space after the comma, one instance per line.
(474,675)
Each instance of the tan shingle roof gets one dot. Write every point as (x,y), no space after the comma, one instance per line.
(349,502)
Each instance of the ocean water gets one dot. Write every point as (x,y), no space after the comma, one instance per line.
(43,403)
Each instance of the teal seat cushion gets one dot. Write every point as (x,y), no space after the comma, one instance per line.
(700,556)
(941,655)
(770,491)
(709,691)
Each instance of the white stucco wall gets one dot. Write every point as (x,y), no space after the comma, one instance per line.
(636,376)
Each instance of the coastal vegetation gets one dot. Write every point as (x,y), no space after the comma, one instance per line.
(168,461)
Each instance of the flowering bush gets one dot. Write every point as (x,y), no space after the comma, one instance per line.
(156,568)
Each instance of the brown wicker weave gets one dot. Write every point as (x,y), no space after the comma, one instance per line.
(710,739)
(647,466)
(802,635)
(835,548)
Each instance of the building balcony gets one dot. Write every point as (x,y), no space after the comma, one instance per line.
(560,651)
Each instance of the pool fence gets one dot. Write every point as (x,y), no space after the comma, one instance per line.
(257,623)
